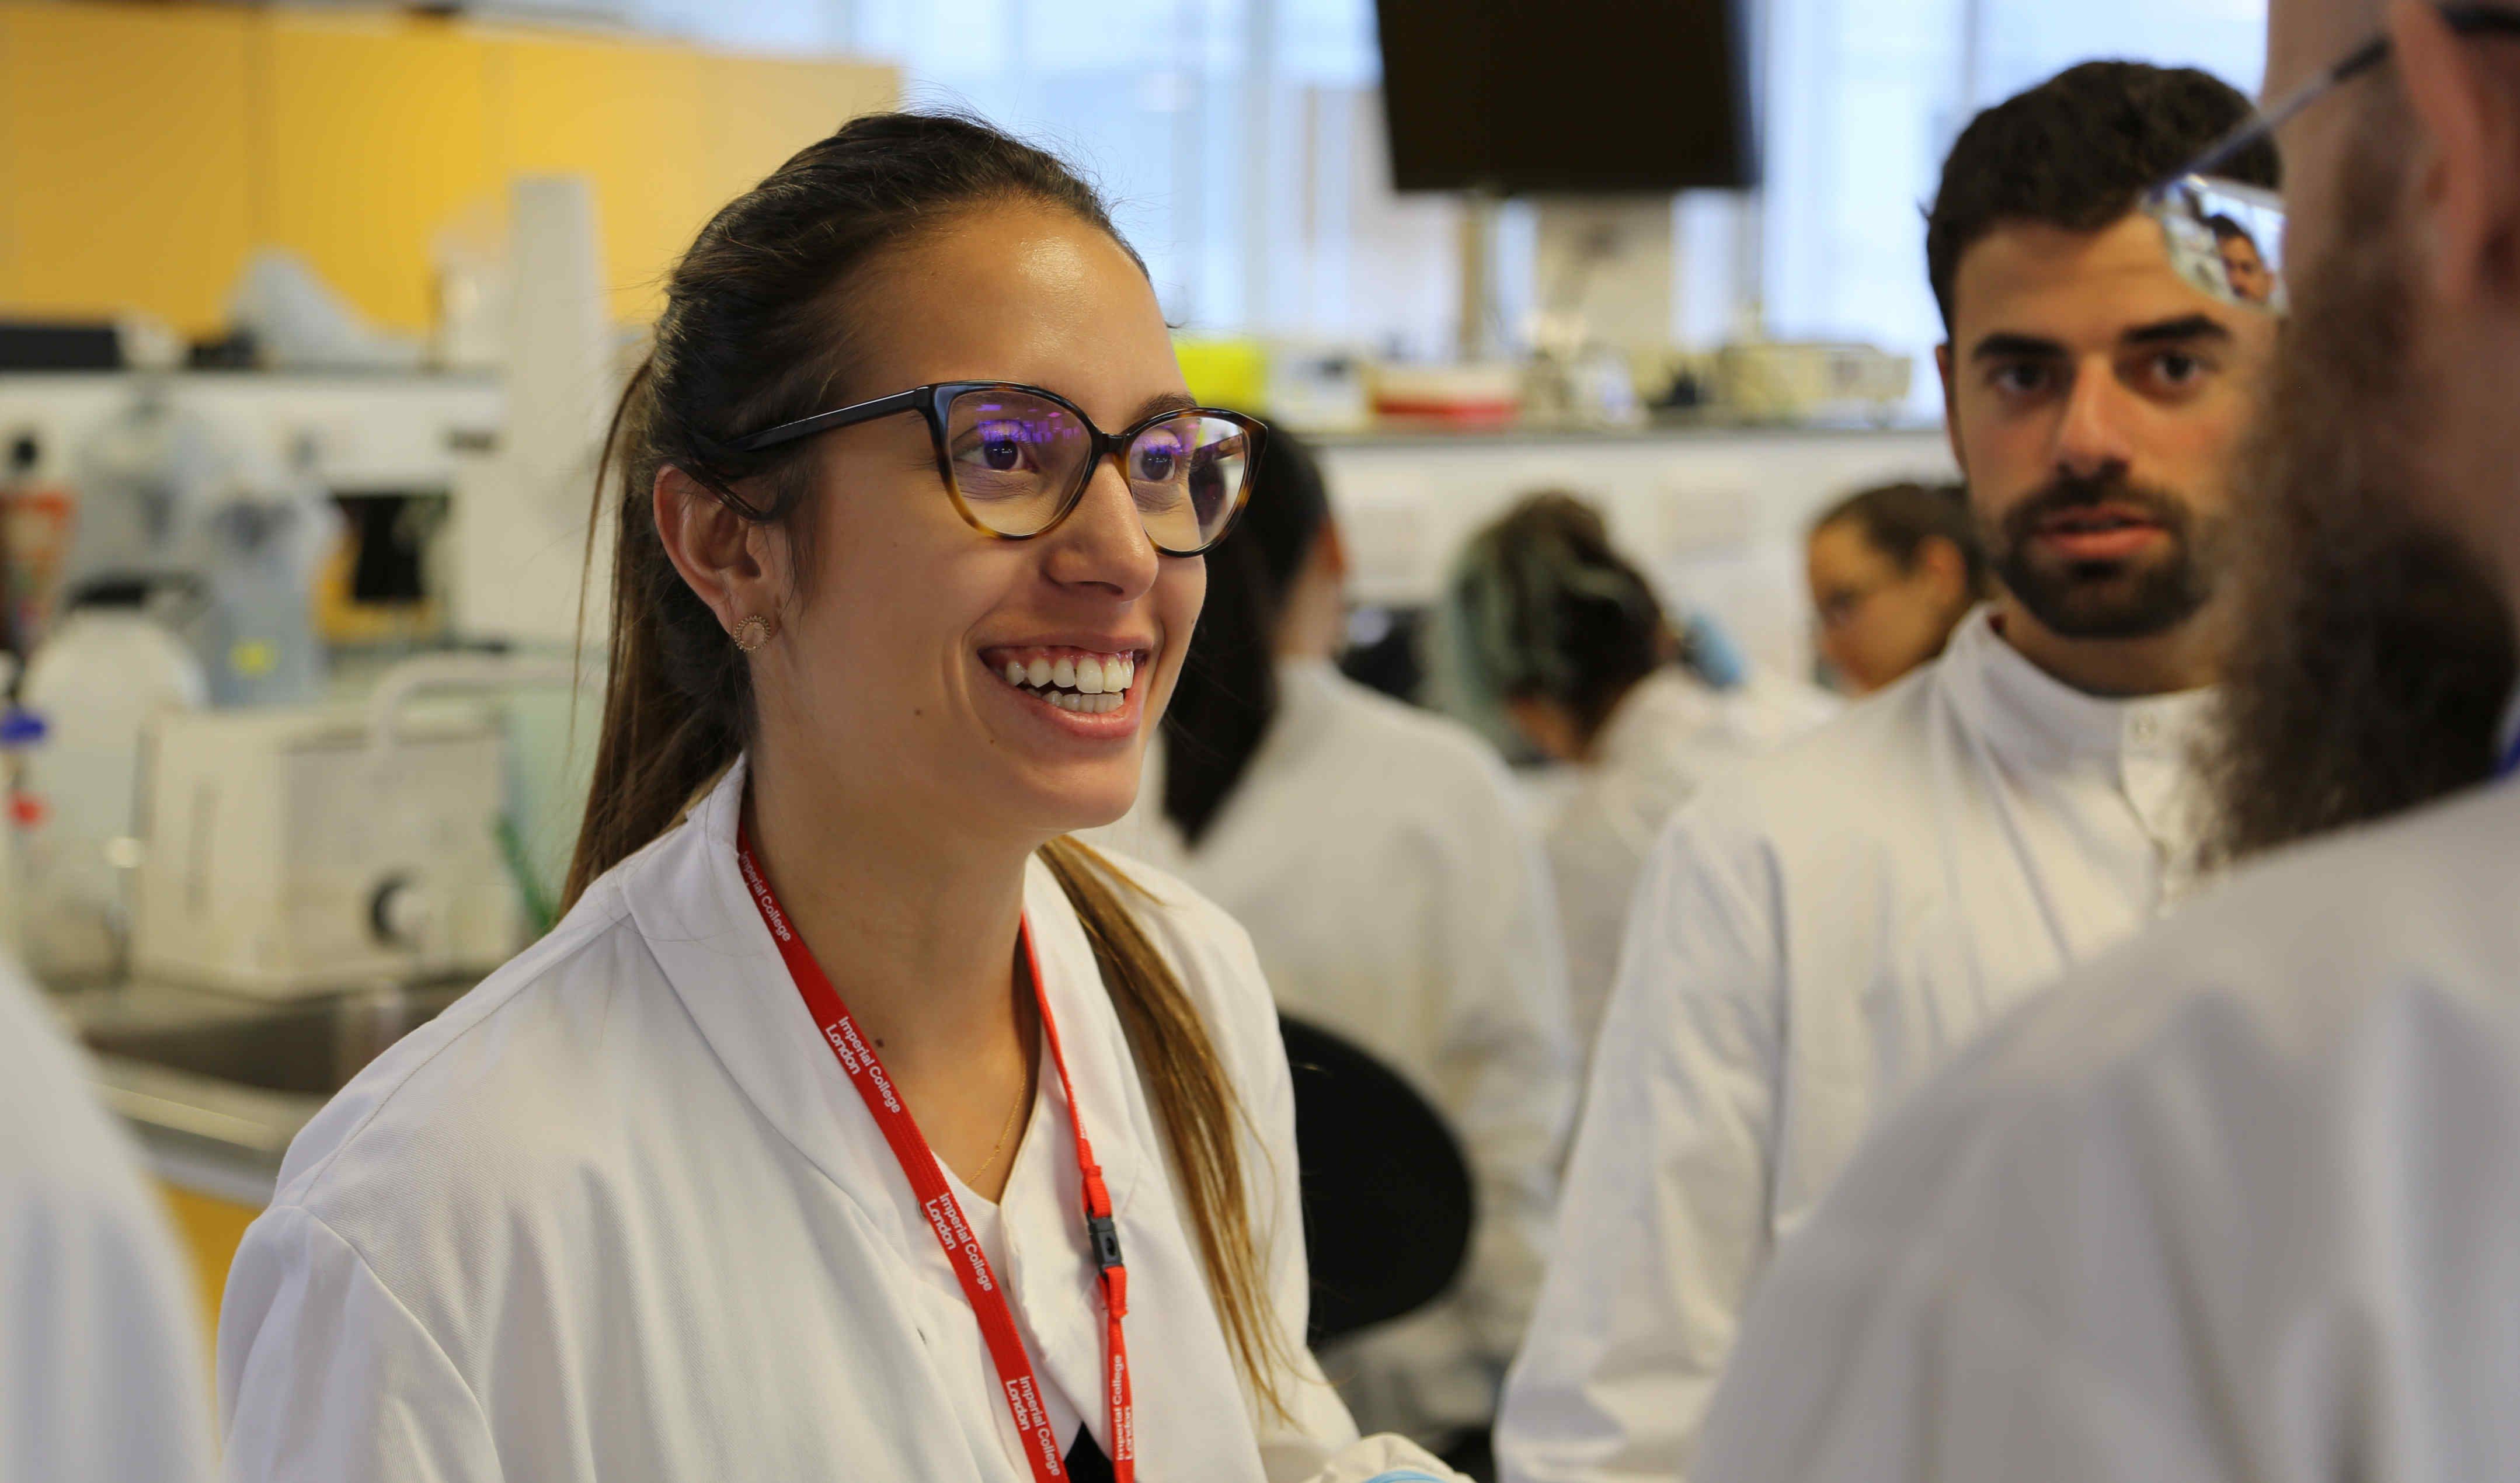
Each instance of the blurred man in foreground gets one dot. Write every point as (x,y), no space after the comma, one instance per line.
(103,1370)
(2241,1200)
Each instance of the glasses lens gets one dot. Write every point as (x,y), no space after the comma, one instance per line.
(1188,475)
(1014,457)
(2225,238)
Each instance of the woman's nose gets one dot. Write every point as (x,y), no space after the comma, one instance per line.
(1103,542)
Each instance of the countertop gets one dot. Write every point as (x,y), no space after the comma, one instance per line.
(215,1085)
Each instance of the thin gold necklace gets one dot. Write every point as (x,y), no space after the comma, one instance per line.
(1022,1099)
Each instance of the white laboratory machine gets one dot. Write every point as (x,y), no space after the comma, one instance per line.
(294,851)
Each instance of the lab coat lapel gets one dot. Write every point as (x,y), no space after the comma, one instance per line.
(709,939)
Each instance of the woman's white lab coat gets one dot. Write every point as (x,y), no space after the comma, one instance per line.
(618,1215)
(1398,896)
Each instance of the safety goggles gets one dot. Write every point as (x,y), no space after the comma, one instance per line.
(2226,237)
(1016,460)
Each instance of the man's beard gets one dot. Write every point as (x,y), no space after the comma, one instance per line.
(2371,656)
(2110,599)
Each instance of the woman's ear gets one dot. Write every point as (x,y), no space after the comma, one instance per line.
(1939,557)
(733,563)
(1547,726)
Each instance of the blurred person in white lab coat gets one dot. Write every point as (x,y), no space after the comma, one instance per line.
(1396,895)
(2239,1200)
(854,1123)
(1816,935)
(1555,629)
(103,1367)
(1893,570)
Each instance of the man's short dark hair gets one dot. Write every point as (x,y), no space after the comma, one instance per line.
(2225,229)
(2077,153)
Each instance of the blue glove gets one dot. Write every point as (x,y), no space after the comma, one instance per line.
(1710,652)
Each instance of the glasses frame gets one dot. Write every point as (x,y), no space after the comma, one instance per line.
(2464,20)
(934,402)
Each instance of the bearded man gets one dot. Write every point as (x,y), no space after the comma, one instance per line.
(1818,932)
(2241,1200)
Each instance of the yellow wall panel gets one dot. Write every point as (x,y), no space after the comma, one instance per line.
(123,159)
(371,133)
(626,114)
(759,110)
(146,149)
(212,1228)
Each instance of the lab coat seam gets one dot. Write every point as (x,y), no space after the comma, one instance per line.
(481,1415)
(2011,1305)
(856,1201)
(1849,1262)
(312,1182)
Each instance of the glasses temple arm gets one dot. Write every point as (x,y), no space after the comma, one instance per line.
(2466,20)
(839,416)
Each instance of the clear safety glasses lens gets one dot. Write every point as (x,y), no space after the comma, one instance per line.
(2225,238)
(1018,460)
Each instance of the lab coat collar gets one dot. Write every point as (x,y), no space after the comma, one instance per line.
(1309,694)
(2024,711)
(1664,708)
(2027,713)
(690,903)
(1307,686)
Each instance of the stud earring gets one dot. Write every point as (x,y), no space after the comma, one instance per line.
(752,633)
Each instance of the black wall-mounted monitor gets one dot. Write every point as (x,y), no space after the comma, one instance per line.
(1572,97)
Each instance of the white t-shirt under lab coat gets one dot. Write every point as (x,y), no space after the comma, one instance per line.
(1813,938)
(101,1365)
(2240,1201)
(1397,895)
(618,1215)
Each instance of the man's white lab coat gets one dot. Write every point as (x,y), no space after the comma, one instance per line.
(1812,939)
(1397,895)
(618,1215)
(2240,1200)
(102,1371)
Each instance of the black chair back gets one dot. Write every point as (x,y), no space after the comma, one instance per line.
(1387,1195)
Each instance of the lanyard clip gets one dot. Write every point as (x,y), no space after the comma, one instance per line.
(1104,1232)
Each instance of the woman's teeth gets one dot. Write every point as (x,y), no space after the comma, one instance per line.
(1088,685)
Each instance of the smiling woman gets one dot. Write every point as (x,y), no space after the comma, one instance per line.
(854,1120)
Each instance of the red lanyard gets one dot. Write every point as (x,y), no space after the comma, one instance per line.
(945,1214)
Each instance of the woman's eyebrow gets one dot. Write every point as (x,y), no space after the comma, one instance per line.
(1163,401)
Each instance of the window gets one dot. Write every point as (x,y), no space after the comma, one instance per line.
(1862,101)
(1242,142)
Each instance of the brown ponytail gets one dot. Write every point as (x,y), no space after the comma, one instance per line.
(755,332)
